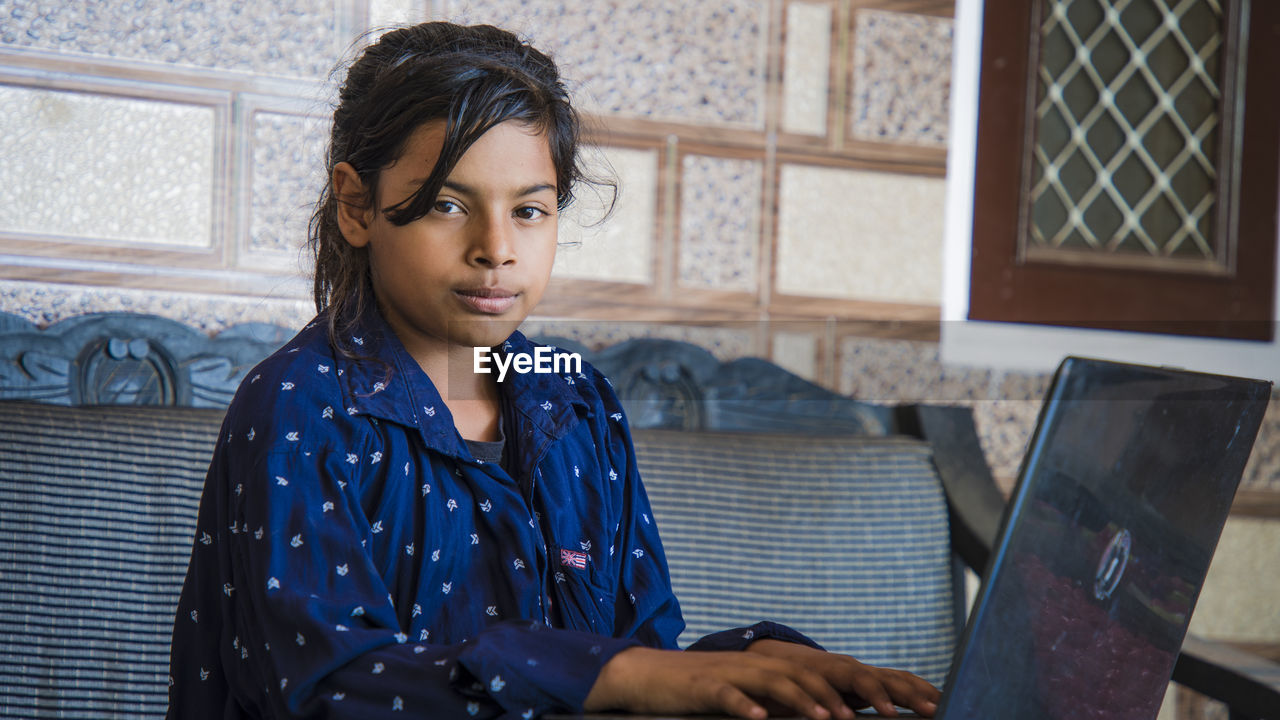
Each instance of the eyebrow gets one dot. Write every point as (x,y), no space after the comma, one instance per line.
(521,192)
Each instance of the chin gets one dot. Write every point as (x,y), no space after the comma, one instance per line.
(482,333)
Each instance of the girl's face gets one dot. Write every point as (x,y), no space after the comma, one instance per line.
(467,273)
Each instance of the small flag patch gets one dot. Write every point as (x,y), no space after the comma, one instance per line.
(573,559)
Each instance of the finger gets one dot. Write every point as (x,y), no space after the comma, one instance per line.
(729,699)
(902,685)
(791,688)
(872,691)
(909,691)
(826,695)
(914,692)
(925,708)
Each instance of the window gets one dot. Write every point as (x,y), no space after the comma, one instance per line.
(1127,165)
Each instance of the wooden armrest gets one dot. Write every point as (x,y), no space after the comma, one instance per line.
(1249,684)
(975,505)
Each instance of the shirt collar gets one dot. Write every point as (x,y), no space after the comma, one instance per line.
(548,400)
(385,382)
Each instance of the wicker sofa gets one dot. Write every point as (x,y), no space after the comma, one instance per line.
(776,499)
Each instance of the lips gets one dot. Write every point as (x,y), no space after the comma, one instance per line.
(490,301)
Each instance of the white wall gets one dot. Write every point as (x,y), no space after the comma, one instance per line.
(1033,347)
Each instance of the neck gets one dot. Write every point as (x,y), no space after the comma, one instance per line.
(472,398)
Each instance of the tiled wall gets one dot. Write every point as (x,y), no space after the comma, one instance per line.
(164,156)
(779,162)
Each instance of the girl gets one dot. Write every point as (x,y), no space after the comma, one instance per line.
(385,531)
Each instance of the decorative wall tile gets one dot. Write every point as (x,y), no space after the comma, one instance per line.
(860,234)
(1011,385)
(1238,599)
(1006,422)
(689,62)
(1263,470)
(905,371)
(806,68)
(47,303)
(720,223)
(901,77)
(883,371)
(105,167)
(1004,431)
(291,38)
(288,173)
(621,247)
(797,352)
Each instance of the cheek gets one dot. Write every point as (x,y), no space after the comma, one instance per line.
(398,275)
(550,243)
(549,257)
(381,270)
(399,253)
(544,261)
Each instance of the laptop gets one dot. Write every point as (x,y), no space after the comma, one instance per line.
(1104,544)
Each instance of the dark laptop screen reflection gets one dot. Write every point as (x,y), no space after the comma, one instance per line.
(1095,596)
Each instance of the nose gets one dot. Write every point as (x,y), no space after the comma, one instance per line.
(492,242)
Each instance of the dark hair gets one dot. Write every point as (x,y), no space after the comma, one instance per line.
(471,77)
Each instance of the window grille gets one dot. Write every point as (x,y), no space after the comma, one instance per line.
(1125,169)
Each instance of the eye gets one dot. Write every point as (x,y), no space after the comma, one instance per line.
(529,212)
(446,207)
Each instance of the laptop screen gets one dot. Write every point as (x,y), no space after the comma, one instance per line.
(1106,542)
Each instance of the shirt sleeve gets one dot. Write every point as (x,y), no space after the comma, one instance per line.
(740,638)
(646,607)
(311,616)
(650,612)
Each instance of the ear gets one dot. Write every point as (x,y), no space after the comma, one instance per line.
(355,212)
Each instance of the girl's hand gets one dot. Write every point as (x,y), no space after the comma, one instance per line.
(744,684)
(645,680)
(862,685)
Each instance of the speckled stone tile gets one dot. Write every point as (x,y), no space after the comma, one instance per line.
(621,247)
(1238,599)
(806,68)
(901,78)
(882,371)
(1004,431)
(1014,385)
(289,38)
(288,173)
(898,371)
(672,60)
(720,223)
(1263,470)
(1004,407)
(105,167)
(47,303)
(860,234)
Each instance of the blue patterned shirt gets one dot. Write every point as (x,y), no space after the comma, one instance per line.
(353,559)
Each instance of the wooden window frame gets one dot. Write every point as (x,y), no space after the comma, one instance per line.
(1004,287)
